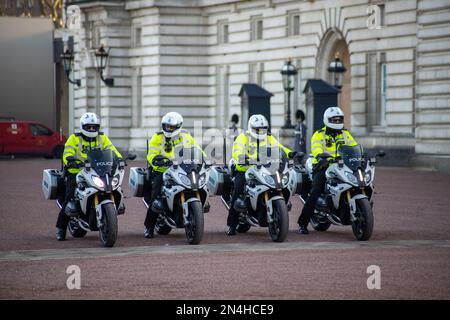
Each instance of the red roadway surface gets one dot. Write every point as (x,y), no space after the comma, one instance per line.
(409,205)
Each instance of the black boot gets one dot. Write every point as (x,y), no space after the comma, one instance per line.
(231,231)
(149,232)
(60,234)
(303,229)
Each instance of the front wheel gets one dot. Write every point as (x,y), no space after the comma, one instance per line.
(279,227)
(194,226)
(75,230)
(108,230)
(363,225)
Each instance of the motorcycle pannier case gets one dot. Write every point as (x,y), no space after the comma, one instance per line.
(137,181)
(52,183)
(219,181)
(298,179)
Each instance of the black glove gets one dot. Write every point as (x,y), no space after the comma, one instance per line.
(322,163)
(161,161)
(292,154)
(75,164)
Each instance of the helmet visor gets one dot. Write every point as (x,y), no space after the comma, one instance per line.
(336,120)
(91,127)
(170,127)
(260,130)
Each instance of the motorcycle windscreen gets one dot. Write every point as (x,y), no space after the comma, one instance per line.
(188,167)
(273,158)
(102,161)
(352,156)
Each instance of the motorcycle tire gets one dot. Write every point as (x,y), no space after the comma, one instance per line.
(194,230)
(363,226)
(279,228)
(108,231)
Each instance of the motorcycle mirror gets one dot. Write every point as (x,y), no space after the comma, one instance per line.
(373,160)
(380,153)
(130,156)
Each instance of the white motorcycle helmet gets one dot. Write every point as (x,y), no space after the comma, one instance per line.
(90,125)
(171,124)
(333,118)
(258,126)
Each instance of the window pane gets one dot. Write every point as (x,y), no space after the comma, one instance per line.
(259,29)
(225,33)
(296,25)
(38,130)
(138,35)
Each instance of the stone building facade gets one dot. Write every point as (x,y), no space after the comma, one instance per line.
(192,56)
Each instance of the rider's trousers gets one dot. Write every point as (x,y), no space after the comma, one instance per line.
(317,186)
(71,183)
(239,183)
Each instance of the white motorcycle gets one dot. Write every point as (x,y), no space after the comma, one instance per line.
(348,193)
(98,197)
(184,196)
(266,196)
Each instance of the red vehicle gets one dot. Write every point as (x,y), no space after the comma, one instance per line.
(29,137)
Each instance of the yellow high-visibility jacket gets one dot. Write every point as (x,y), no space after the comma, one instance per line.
(321,142)
(245,144)
(77,146)
(160,145)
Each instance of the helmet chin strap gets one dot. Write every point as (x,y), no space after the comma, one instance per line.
(89,139)
(332,131)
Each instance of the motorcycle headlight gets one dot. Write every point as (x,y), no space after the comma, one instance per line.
(269,180)
(115,181)
(368,177)
(351,177)
(285,179)
(202,180)
(98,182)
(184,179)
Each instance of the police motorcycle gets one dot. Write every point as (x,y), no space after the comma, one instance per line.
(184,194)
(347,198)
(269,185)
(98,197)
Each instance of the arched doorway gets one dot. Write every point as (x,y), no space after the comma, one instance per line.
(333,42)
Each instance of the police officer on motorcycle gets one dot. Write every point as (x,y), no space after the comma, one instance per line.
(324,141)
(77,146)
(161,150)
(244,150)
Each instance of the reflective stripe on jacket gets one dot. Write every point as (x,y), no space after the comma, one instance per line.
(244,144)
(160,145)
(321,142)
(77,146)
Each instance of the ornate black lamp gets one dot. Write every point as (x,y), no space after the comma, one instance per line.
(288,73)
(102,55)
